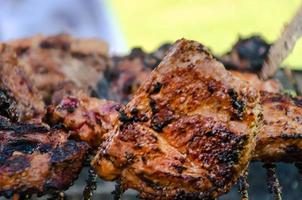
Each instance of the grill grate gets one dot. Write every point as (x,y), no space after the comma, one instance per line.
(272,181)
(243,186)
(118,192)
(91,185)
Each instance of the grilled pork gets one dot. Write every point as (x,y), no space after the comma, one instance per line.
(89,119)
(19,99)
(58,60)
(34,159)
(188,131)
(280,137)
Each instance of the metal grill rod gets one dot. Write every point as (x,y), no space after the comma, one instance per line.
(272,181)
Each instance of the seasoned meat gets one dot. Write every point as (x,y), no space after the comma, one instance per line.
(280,137)
(34,159)
(247,54)
(19,99)
(188,131)
(61,58)
(127,73)
(270,85)
(90,119)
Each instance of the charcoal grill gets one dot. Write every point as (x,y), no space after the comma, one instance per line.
(281,181)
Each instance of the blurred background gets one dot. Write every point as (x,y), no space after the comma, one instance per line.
(128,23)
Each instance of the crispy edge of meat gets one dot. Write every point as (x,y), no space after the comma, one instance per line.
(280,137)
(34,159)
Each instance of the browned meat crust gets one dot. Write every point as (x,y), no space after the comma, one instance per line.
(189,130)
(55,60)
(280,138)
(34,159)
(19,99)
(88,118)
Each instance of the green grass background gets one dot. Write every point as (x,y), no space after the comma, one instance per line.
(215,23)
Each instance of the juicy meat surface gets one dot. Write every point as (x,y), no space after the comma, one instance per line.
(188,131)
(280,137)
(34,159)
(55,60)
(19,99)
(89,119)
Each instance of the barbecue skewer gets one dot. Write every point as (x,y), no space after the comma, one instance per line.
(283,46)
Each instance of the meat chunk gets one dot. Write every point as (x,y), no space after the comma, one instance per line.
(127,73)
(247,54)
(270,85)
(280,137)
(88,118)
(19,99)
(59,59)
(34,159)
(188,131)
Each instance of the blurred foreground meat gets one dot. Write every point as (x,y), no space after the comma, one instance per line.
(19,99)
(62,63)
(34,159)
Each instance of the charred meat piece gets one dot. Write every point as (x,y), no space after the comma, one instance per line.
(61,58)
(280,137)
(270,85)
(89,119)
(187,132)
(19,99)
(34,159)
(247,54)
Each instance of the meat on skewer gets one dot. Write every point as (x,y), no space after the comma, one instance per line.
(34,159)
(189,130)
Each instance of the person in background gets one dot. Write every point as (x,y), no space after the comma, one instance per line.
(80,18)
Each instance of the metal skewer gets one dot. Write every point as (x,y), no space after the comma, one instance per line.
(283,46)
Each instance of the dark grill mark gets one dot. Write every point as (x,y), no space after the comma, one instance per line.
(156,88)
(238,105)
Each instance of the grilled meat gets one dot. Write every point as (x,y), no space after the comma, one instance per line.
(271,85)
(127,73)
(34,159)
(19,99)
(60,59)
(247,54)
(280,137)
(188,131)
(89,119)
